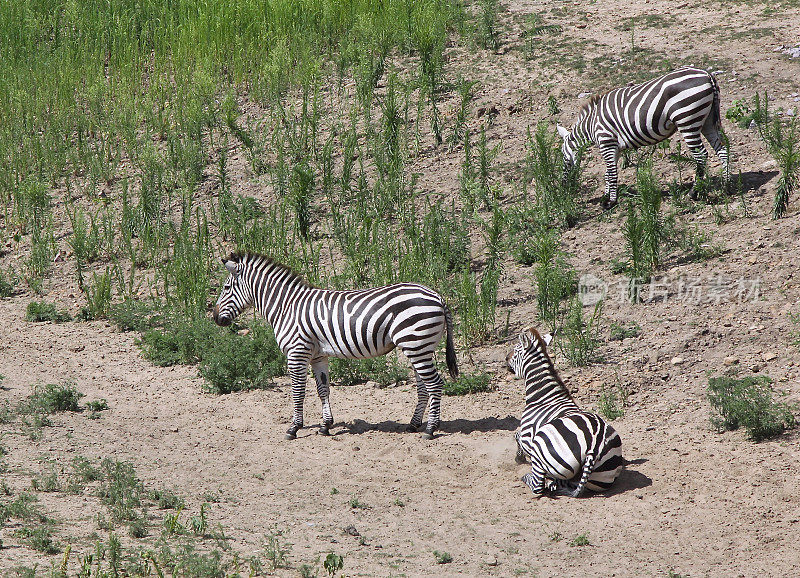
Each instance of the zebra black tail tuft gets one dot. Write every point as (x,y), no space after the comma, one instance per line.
(450,350)
(715,112)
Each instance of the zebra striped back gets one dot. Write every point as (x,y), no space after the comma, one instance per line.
(569,449)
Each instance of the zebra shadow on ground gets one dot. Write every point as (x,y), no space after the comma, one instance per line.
(629,480)
(464,426)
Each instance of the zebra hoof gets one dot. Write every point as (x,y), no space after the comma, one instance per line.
(608,204)
(427,435)
(290,436)
(324,431)
(411,428)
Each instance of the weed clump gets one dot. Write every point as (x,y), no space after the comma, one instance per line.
(38,311)
(747,402)
(468,383)
(385,371)
(242,362)
(52,398)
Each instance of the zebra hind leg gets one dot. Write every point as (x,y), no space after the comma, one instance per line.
(520,457)
(322,377)
(419,410)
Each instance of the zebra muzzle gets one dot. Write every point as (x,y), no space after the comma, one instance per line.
(220,320)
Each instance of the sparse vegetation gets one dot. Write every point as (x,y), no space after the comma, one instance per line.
(748,402)
(40,311)
(783,143)
(465,384)
(442,557)
(580,540)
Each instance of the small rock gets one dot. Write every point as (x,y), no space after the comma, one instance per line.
(755,368)
(492,561)
(769,356)
(584,95)
(351,531)
(731,360)
(677,360)
(243,332)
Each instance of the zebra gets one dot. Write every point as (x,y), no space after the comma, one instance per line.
(313,324)
(569,449)
(686,100)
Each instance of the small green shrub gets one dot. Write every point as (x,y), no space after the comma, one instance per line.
(333,563)
(356,504)
(748,402)
(25,507)
(385,371)
(468,383)
(580,336)
(611,403)
(41,311)
(178,341)
(7,285)
(40,538)
(580,540)
(166,500)
(133,315)
(242,362)
(783,143)
(120,490)
(442,557)
(52,398)
(624,331)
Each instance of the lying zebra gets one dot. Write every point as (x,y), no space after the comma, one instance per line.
(569,449)
(686,100)
(314,324)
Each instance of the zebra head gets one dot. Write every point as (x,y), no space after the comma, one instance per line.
(569,148)
(529,345)
(235,295)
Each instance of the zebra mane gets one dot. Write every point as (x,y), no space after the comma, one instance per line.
(258,259)
(590,104)
(542,347)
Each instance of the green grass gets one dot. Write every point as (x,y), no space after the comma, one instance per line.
(580,540)
(624,330)
(442,557)
(38,311)
(385,371)
(468,383)
(52,398)
(748,402)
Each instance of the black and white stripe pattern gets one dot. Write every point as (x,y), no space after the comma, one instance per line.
(569,449)
(686,100)
(314,324)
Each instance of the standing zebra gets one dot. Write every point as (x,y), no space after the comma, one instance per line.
(568,448)
(314,324)
(686,100)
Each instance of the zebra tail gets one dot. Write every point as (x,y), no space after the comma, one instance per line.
(591,457)
(715,111)
(450,350)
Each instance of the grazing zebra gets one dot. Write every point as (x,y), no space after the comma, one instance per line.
(686,100)
(569,449)
(314,324)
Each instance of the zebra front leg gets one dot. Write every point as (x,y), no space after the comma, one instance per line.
(422,403)
(321,375)
(297,363)
(535,480)
(610,153)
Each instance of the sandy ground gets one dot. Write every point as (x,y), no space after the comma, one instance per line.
(691,501)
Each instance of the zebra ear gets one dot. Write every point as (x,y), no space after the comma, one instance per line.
(525,339)
(564,133)
(231,266)
(547,338)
